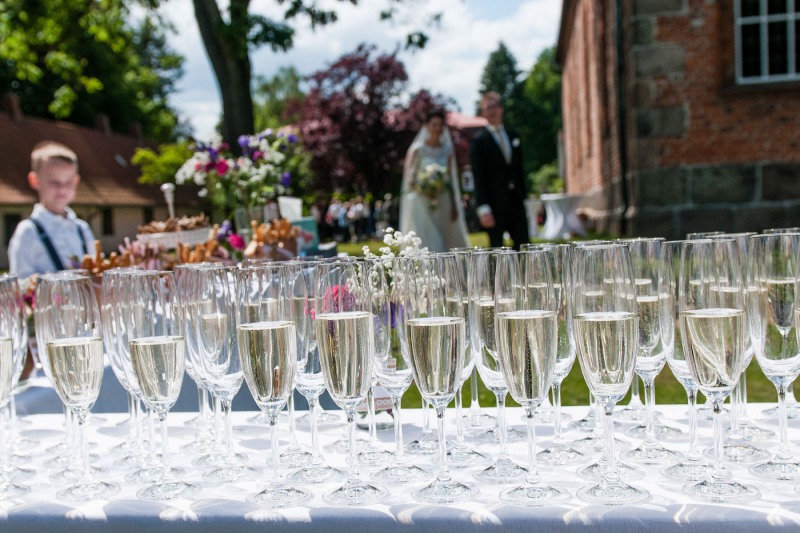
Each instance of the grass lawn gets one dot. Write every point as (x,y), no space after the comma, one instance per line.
(574,390)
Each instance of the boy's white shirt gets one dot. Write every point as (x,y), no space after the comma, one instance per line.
(26,253)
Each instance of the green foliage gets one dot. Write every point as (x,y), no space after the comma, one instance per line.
(160,165)
(501,76)
(276,100)
(545,180)
(75,59)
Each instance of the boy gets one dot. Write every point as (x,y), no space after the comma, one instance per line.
(53,234)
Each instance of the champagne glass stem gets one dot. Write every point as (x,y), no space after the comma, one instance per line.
(426,420)
(151,426)
(635,392)
(162,423)
(718,471)
(202,404)
(351,437)
(735,400)
(217,423)
(292,425)
(4,474)
(398,427)
(373,433)
(743,418)
(474,404)
(611,474)
(557,438)
(226,414)
(501,420)
(132,435)
(312,412)
(273,435)
(533,472)
(783,451)
(83,447)
(459,420)
(691,397)
(649,400)
(442,443)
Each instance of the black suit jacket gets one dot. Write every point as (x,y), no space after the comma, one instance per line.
(494,176)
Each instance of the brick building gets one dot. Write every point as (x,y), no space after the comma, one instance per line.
(682,115)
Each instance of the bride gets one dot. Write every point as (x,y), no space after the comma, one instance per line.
(430,204)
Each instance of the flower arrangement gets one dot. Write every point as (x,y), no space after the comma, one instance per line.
(431,181)
(260,173)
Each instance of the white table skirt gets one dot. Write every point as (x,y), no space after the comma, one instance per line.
(220,507)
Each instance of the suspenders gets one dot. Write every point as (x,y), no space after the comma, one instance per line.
(51,250)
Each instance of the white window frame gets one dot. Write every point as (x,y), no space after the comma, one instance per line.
(763,19)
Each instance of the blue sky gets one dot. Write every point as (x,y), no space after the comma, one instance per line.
(451,63)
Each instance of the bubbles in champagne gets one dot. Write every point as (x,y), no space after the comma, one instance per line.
(77,369)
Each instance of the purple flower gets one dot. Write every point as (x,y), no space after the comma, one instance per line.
(225,229)
(286,179)
(268,132)
(292,138)
(244,142)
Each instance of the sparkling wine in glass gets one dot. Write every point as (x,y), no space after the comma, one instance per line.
(68,322)
(526,325)
(606,330)
(774,318)
(344,327)
(714,330)
(433,338)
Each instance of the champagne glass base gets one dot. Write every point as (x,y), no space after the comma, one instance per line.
(88,491)
(478,421)
(23,444)
(295,456)
(776,469)
(64,461)
(232,472)
(718,491)
(662,432)
(316,474)
(343,445)
(547,416)
(131,461)
(280,496)
(73,475)
(356,492)
(652,454)
(374,457)
(18,473)
(324,418)
(752,432)
(216,459)
(596,471)
(401,473)
(153,474)
(560,455)
(12,490)
(534,495)
(168,490)
(792,411)
(631,413)
(492,436)
(461,456)
(425,445)
(597,444)
(739,452)
(504,470)
(687,470)
(586,423)
(614,493)
(198,446)
(445,489)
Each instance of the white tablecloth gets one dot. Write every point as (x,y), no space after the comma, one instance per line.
(220,507)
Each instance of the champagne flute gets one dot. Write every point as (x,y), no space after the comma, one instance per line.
(482,274)
(157,350)
(526,325)
(606,329)
(650,356)
(211,313)
(693,467)
(344,324)
(391,368)
(70,325)
(476,419)
(309,380)
(711,301)
(12,323)
(774,318)
(433,339)
(268,349)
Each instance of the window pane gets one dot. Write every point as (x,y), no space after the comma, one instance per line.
(776,7)
(750,8)
(751,50)
(778,51)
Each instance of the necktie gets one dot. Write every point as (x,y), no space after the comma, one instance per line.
(504,144)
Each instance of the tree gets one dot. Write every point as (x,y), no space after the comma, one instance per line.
(354,123)
(228,41)
(274,97)
(500,74)
(541,117)
(75,59)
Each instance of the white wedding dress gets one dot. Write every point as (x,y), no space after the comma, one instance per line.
(433,225)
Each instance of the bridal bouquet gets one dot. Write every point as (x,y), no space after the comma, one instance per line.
(431,181)
(261,172)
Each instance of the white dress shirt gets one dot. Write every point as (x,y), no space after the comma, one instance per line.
(27,254)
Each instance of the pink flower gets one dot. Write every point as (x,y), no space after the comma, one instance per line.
(222,167)
(236,241)
(258,154)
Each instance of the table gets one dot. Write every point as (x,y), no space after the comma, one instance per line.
(532,207)
(561,216)
(221,507)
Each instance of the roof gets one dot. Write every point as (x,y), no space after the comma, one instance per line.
(107,176)
(463,122)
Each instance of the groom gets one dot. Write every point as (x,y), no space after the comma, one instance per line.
(496,159)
